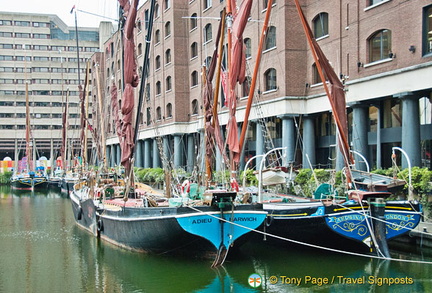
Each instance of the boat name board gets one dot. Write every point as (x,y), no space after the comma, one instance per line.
(236,219)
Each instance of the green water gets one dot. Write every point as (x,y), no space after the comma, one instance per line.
(41,250)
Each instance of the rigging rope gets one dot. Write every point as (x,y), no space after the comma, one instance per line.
(313,245)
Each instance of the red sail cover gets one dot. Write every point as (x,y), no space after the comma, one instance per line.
(236,74)
(213,134)
(336,95)
(131,81)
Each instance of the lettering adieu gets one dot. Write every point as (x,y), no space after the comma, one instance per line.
(202,221)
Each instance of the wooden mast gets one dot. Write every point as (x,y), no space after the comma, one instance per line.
(255,74)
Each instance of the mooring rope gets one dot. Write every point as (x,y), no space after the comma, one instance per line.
(313,245)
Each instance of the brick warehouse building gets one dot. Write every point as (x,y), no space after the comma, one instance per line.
(381,49)
(383,57)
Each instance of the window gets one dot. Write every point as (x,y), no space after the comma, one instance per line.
(158,88)
(168,56)
(208,61)
(247,43)
(146,18)
(316,78)
(374,2)
(194,50)
(147,92)
(167,4)
(158,113)
(208,33)
(266,3)
(427,35)
(320,25)
(195,107)
(193,21)
(169,110)
(207,3)
(246,86)
(270,79)
(194,78)
(22,35)
(140,49)
(156,12)
(380,46)
(168,83)
(157,36)
(157,62)
(167,29)
(148,116)
(22,23)
(271,38)
(138,25)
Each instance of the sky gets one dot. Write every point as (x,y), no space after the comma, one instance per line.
(62,8)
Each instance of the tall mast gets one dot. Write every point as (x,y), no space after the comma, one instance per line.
(255,74)
(101,120)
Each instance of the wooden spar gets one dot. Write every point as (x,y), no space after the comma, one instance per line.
(65,127)
(208,176)
(255,74)
(28,144)
(344,145)
(86,105)
(101,120)
(218,68)
(228,86)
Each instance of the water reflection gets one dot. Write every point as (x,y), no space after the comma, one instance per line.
(42,250)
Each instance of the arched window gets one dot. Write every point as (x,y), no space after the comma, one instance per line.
(168,56)
(208,61)
(194,78)
(247,43)
(316,78)
(167,4)
(380,46)
(271,38)
(270,79)
(147,92)
(168,83)
(167,29)
(194,50)
(246,86)
(193,21)
(208,33)
(156,12)
(169,110)
(320,25)
(157,62)
(138,24)
(139,49)
(158,113)
(195,107)
(157,36)
(158,88)
(148,116)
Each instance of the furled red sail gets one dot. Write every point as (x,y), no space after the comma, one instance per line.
(212,127)
(131,81)
(236,74)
